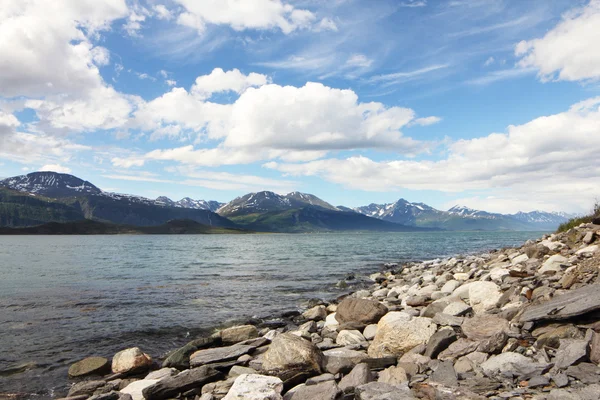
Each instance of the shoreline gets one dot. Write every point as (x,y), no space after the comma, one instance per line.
(406,291)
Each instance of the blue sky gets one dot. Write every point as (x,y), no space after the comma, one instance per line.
(493,104)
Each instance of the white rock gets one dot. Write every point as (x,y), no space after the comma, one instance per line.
(427,290)
(162,373)
(496,274)
(450,286)
(553,246)
(457,308)
(331,323)
(520,259)
(398,332)
(587,251)
(255,387)
(482,296)
(132,359)
(350,337)
(370,331)
(461,276)
(134,389)
(381,292)
(553,264)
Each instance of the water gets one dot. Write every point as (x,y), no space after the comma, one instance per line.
(63,298)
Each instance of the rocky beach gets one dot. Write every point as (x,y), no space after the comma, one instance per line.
(517,323)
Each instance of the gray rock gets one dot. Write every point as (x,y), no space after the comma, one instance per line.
(319,379)
(587,373)
(513,365)
(562,394)
(493,344)
(89,366)
(383,391)
(86,388)
(162,373)
(342,360)
(573,303)
(107,396)
(323,391)
(360,312)
(350,337)
(480,384)
(184,381)
(237,334)
(360,375)
(180,358)
(457,308)
(439,342)
(255,387)
(370,331)
(560,379)
(447,320)
(569,352)
(483,327)
(393,376)
(537,381)
(238,370)
(445,374)
(458,349)
(288,352)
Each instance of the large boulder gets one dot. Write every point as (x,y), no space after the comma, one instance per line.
(237,334)
(398,333)
(358,313)
(482,327)
(89,366)
(255,387)
(290,352)
(130,361)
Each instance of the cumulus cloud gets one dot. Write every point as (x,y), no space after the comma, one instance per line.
(247,14)
(56,168)
(219,81)
(554,157)
(570,50)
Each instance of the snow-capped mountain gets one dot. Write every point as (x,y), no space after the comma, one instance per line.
(262,202)
(464,211)
(541,217)
(400,212)
(50,184)
(187,202)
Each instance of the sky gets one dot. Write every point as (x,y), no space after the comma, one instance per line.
(491,104)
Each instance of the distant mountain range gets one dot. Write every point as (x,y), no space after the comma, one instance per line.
(43,197)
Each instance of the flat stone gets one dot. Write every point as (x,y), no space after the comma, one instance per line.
(445,374)
(458,349)
(382,391)
(219,354)
(180,358)
(360,375)
(86,388)
(291,352)
(89,366)
(493,344)
(393,376)
(171,386)
(537,381)
(440,341)
(237,334)
(450,286)
(480,384)
(350,337)
(135,389)
(238,370)
(587,251)
(162,373)
(342,360)
(322,391)
(360,311)
(562,394)
(511,364)
(218,389)
(457,308)
(398,333)
(587,373)
(319,379)
(447,319)
(560,379)
(255,387)
(569,352)
(553,265)
(483,327)
(573,303)
(130,361)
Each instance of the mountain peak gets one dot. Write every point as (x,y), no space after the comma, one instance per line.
(50,184)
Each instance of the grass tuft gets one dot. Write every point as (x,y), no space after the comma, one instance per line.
(574,222)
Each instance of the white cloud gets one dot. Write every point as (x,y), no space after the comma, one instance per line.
(162,12)
(426,121)
(56,168)
(549,162)
(413,3)
(219,81)
(326,24)
(501,75)
(134,24)
(126,163)
(400,77)
(569,51)
(359,60)
(244,14)
(171,82)
(489,62)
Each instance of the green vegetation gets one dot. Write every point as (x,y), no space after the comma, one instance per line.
(572,223)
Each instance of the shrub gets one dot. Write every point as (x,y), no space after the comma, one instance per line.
(572,223)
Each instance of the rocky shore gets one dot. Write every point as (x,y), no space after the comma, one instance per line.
(518,323)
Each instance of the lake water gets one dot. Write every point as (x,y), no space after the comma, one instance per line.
(63,298)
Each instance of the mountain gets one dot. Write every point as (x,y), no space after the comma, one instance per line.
(316,219)
(41,197)
(264,202)
(461,217)
(187,202)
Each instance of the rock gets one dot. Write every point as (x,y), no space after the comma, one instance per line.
(317,313)
(381,292)
(519,259)
(553,265)
(458,349)
(393,376)
(482,327)
(291,352)
(219,354)
(350,337)
(321,378)
(360,312)
(588,238)
(482,295)
(398,333)
(574,302)
(498,273)
(331,322)
(359,375)
(512,365)
(570,351)
(444,373)
(439,341)
(587,373)
(218,389)
(553,246)
(255,387)
(180,358)
(493,344)
(457,308)
(162,373)
(450,286)
(322,391)
(537,381)
(110,396)
(370,331)
(89,366)
(467,362)
(134,389)
(551,337)
(562,394)
(86,388)
(383,391)
(342,360)
(595,348)
(560,379)
(130,361)
(587,251)
(238,370)
(447,319)
(171,386)
(237,334)
(417,301)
